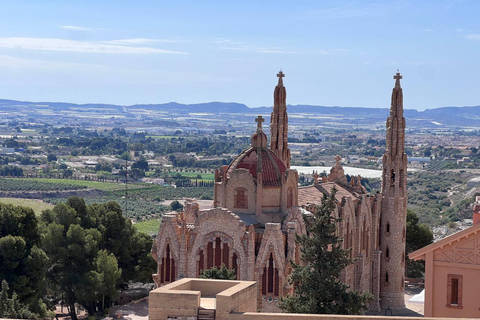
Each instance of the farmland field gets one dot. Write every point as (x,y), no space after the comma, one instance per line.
(44,184)
(149,227)
(37,205)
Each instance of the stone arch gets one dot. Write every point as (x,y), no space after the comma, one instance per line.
(296,215)
(271,258)
(349,221)
(167,246)
(290,197)
(167,250)
(221,222)
(240,179)
(291,182)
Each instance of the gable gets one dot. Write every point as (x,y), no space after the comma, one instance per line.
(466,251)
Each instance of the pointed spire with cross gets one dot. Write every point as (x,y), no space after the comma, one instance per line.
(280,76)
(397,78)
(338,160)
(259,121)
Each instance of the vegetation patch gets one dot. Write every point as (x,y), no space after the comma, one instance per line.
(37,205)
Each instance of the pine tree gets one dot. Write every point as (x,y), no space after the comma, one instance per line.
(318,288)
(222,273)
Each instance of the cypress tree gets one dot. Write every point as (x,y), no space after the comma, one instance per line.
(318,288)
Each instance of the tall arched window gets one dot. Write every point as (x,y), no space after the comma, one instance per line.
(201,262)
(270,278)
(167,266)
(400,180)
(235,265)
(290,197)
(240,198)
(218,253)
(392,177)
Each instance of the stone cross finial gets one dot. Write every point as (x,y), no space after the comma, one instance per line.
(338,159)
(280,76)
(259,121)
(315,177)
(397,78)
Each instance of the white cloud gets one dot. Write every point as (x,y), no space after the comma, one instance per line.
(427,30)
(11,62)
(259,50)
(136,41)
(473,36)
(54,44)
(349,11)
(74,28)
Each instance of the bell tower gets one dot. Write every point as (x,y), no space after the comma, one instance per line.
(394,206)
(279,123)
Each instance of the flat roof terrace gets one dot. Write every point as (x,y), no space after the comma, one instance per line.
(189,296)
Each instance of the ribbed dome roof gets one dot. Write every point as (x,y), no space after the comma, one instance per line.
(260,159)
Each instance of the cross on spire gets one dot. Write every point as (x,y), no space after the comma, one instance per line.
(259,121)
(280,76)
(338,159)
(397,78)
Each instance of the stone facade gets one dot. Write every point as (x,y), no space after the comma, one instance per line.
(394,206)
(259,209)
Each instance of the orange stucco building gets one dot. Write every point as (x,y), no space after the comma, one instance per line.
(452,273)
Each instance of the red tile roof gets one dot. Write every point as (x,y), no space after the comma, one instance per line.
(313,194)
(271,166)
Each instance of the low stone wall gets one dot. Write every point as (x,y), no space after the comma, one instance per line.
(290,316)
(182,299)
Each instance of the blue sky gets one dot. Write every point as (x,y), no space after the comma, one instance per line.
(333,52)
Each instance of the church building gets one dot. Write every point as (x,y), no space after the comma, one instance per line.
(259,209)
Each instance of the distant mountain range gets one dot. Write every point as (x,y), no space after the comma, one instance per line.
(444,116)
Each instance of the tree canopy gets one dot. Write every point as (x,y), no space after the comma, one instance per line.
(418,236)
(93,251)
(22,262)
(222,273)
(318,288)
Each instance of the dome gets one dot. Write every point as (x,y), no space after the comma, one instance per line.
(260,159)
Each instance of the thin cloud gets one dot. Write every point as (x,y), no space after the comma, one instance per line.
(473,36)
(12,62)
(427,30)
(137,41)
(54,44)
(259,50)
(353,11)
(74,28)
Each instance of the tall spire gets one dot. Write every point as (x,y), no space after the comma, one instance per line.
(279,122)
(394,205)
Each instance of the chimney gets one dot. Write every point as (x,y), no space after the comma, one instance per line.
(476,211)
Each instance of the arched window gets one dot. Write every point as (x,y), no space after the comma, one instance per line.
(235,265)
(386,277)
(240,198)
(392,176)
(218,253)
(290,197)
(388,228)
(201,262)
(387,253)
(167,267)
(270,278)
(400,181)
